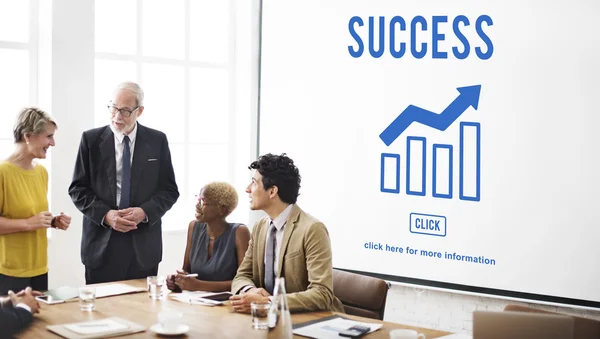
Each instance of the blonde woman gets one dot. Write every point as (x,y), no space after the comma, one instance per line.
(24,215)
(215,248)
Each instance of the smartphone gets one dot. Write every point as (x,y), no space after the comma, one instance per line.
(48,299)
(355,331)
(222,296)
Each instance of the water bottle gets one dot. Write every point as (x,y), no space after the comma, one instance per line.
(280,320)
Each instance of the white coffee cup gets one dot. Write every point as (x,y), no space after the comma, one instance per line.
(170,320)
(406,334)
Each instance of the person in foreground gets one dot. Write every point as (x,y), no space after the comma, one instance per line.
(24,215)
(287,243)
(215,248)
(123,183)
(16,311)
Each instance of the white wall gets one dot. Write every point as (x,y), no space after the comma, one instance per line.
(72,106)
(452,312)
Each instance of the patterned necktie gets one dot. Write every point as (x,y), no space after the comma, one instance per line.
(125,175)
(270,262)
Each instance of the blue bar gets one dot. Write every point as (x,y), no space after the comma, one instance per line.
(477,178)
(434,171)
(395,190)
(408,169)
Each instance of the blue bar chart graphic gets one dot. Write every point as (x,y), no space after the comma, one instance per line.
(442,175)
(470,161)
(416,165)
(442,165)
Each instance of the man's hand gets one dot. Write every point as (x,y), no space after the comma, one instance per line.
(259,291)
(5,302)
(118,223)
(40,220)
(241,302)
(135,214)
(27,297)
(34,292)
(62,221)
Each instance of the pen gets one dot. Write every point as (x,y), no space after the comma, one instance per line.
(187,275)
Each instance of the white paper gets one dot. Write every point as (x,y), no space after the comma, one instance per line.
(97,326)
(115,289)
(330,329)
(457,336)
(195,298)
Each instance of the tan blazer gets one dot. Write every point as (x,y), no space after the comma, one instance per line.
(304,262)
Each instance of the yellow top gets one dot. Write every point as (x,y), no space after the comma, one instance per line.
(23,194)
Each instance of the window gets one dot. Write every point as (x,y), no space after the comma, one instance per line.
(25,65)
(25,35)
(181,53)
(17,65)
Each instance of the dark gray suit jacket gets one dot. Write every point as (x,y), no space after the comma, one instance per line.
(94,192)
(13,320)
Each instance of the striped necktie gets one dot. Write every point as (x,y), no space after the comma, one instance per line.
(125,175)
(270,260)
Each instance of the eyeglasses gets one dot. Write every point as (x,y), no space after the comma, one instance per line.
(201,201)
(124,111)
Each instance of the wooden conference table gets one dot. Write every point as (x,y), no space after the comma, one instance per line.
(204,322)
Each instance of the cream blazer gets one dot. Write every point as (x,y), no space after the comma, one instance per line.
(304,262)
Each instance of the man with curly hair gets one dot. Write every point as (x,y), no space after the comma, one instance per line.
(286,243)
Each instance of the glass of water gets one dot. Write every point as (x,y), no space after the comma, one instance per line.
(155,286)
(260,311)
(87,298)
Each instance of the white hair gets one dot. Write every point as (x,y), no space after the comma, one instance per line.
(133,88)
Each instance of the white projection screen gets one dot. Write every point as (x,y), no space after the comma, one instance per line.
(450,144)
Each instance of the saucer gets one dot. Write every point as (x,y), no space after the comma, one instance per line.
(158,329)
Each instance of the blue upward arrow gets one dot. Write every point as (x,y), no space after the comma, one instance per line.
(469,96)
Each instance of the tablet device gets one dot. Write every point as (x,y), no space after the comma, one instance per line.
(220,296)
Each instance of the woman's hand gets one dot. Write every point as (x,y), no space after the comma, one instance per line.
(186,283)
(171,283)
(62,221)
(40,220)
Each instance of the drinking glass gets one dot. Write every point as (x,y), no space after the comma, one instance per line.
(87,298)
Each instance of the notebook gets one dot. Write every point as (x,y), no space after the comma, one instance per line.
(329,327)
(68,293)
(97,326)
(103,328)
(116,289)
